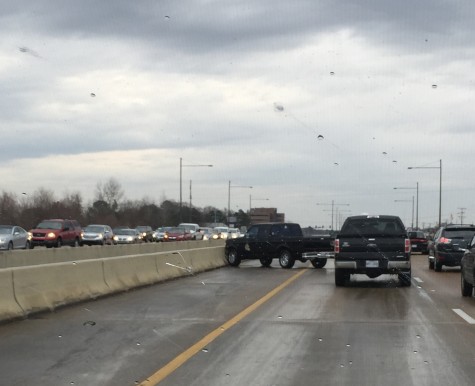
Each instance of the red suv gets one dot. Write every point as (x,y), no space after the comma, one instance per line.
(55,233)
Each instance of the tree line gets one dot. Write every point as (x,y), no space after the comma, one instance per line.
(109,206)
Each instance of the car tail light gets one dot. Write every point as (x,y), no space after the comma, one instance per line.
(407,246)
(445,240)
(336,246)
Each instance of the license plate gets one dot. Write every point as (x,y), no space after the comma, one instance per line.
(372,263)
(414,245)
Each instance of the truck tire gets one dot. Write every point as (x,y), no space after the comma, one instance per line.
(341,277)
(465,286)
(286,260)
(266,261)
(405,278)
(233,258)
(437,265)
(320,263)
(431,264)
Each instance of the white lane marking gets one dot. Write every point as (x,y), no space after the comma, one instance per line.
(419,280)
(464,316)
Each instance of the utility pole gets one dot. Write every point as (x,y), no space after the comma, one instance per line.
(461,213)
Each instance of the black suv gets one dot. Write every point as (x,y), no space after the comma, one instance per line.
(449,245)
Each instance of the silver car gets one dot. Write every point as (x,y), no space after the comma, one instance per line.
(14,237)
(97,234)
(127,236)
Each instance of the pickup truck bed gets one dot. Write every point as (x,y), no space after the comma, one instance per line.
(283,241)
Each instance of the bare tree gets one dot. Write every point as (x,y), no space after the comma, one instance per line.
(110,192)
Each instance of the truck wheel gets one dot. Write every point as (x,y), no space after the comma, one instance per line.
(266,261)
(437,265)
(320,263)
(286,260)
(465,286)
(431,264)
(233,258)
(405,278)
(341,277)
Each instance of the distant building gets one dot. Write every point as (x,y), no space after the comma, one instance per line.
(262,215)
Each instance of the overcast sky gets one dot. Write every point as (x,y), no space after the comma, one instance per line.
(92,90)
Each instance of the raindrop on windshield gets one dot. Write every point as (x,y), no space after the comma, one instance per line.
(348,345)
(205,350)
(332,73)
(278,107)
(320,137)
(279,317)
(89,323)
(434,86)
(93,95)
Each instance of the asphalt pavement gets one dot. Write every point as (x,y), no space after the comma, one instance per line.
(254,326)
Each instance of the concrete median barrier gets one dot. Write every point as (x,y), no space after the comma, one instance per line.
(9,308)
(45,287)
(125,272)
(34,288)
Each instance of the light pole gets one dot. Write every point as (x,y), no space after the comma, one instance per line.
(417,202)
(181,173)
(412,221)
(255,199)
(440,184)
(229,195)
(333,207)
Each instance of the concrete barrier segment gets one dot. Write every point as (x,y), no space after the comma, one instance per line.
(45,287)
(9,307)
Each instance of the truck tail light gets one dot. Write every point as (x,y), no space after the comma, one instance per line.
(444,240)
(336,246)
(407,246)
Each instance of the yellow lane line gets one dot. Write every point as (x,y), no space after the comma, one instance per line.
(175,363)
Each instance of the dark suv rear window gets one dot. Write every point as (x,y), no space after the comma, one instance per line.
(372,226)
(464,233)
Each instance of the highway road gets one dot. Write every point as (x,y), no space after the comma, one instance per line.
(254,326)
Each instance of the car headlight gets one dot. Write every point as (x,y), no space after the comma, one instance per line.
(116,238)
(130,238)
(100,235)
(51,235)
(30,235)
(2,240)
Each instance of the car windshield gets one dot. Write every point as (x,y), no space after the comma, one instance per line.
(237,115)
(94,229)
(50,225)
(5,230)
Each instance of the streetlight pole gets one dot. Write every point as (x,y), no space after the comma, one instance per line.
(440,184)
(229,195)
(417,202)
(181,173)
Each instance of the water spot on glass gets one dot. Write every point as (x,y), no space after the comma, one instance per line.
(93,95)
(342,365)
(222,328)
(89,323)
(60,336)
(320,137)
(335,163)
(136,382)
(432,290)
(279,317)
(348,345)
(278,107)
(332,73)
(167,17)
(205,350)
(394,161)
(138,343)
(426,362)
(320,339)
(434,86)
(419,286)
(74,263)
(415,351)
(418,336)
(203,282)
(228,375)
(350,362)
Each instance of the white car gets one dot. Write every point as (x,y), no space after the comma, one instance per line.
(223,232)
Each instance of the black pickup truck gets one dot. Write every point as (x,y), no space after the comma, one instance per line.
(372,245)
(283,241)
